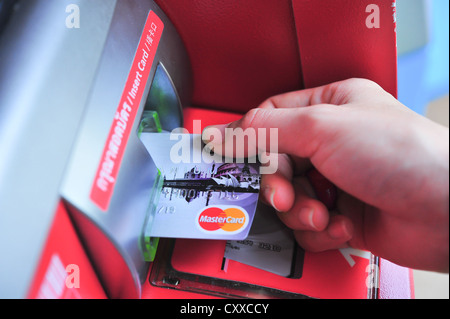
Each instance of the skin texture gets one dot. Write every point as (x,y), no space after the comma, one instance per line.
(390,165)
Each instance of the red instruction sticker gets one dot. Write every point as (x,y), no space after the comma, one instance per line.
(105,178)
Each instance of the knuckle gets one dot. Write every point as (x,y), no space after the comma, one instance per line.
(363,83)
(253,118)
(268,103)
(312,117)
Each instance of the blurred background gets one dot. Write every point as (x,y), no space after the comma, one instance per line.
(423,84)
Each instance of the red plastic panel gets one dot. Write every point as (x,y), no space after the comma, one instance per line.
(64,259)
(336,42)
(325,275)
(241,52)
(207,117)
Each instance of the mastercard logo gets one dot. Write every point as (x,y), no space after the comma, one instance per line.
(226,219)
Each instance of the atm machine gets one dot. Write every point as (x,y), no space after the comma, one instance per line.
(81,81)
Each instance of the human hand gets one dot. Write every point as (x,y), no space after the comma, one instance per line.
(390,165)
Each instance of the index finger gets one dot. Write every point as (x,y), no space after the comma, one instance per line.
(337,93)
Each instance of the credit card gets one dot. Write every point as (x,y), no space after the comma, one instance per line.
(270,246)
(203,196)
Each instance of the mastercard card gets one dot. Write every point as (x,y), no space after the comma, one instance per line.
(203,196)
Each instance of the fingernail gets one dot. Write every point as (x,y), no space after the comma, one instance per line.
(214,134)
(269,194)
(307,217)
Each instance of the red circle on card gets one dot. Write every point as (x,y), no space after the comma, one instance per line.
(212,219)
